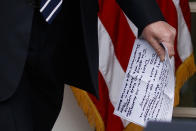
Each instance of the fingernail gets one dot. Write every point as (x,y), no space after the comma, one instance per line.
(162,58)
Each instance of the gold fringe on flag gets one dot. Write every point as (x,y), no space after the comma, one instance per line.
(133,127)
(183,73)
(89,109)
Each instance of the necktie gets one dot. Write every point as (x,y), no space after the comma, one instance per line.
(50,8)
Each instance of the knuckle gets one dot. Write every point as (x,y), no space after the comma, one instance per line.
(159,51)
(170,35)
(170,46)
(171,54)
(171,50)
(166,34)
(174,31)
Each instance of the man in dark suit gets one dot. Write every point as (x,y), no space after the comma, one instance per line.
(37,58)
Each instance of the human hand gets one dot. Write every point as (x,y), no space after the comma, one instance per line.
(160,32)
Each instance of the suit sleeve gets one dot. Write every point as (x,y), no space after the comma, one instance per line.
(141,12)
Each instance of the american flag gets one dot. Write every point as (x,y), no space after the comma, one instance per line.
(116,35)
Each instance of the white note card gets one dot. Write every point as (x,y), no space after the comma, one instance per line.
(147,92)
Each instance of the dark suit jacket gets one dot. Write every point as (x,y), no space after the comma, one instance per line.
(15,28)
(75,26)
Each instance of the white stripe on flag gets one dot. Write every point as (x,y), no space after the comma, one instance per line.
(184,43)
(54,10)
(109,66)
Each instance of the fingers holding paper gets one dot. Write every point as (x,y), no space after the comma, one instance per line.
(160,32)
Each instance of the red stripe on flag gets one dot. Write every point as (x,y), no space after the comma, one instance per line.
(105,108)
(122,38)
(170,13)
(119,30)
(184,4)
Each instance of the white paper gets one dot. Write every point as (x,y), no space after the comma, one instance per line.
(147,93)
